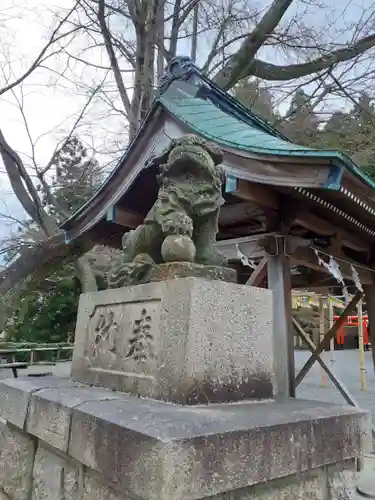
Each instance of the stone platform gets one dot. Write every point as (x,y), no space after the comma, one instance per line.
(60,439)
(186,341)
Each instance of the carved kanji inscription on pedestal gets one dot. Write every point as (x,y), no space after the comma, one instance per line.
(105,333)
(141,340)
(123,337)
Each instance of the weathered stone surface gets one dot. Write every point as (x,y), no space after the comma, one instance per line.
(218,343)
(342,480)
(50,412)
(3,496)
(15,395)
(183,222)
(178,270)
(186,341)
(95,489)
(54,477)
(176,248)
(156,451)
(106,331)
(17,451)
(306,486)
(177,453)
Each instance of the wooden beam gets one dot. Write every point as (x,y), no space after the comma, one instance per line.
(259,273)
(238,212)
(248,245)
(265,197)
(283,338)
(252,247)
(307,257)
(340,237)
(313,279)
(124,217)
(258,194)
(350,308)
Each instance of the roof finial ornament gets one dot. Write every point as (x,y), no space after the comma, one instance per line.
(179,67)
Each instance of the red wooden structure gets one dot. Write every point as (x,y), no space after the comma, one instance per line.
(352,321)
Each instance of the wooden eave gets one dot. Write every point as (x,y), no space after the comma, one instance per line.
(119,181)
(121,191)
(351,203)
(267,184)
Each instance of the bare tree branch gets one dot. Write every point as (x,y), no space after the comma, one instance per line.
(18,175)
(72,130)
(112,57)
(33,266)
(239,64)
(269,71)
(53,39)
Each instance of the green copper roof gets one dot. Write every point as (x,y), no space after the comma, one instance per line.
(213,123)
(206,117)
(193,99)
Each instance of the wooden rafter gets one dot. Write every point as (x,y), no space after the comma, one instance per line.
(268,198)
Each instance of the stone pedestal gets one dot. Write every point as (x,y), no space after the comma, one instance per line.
(185,341)
(65,440)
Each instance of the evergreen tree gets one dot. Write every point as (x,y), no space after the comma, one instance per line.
(353,133)
(339,123)
(50,316)
(50,313)
(46,316)
(255,97)
(76,178)
(301,124)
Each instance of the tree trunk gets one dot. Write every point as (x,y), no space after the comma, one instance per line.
(86,275)
(38,262)
(32,267)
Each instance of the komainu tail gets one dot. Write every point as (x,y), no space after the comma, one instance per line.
(130,273)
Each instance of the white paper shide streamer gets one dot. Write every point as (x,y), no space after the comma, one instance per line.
(244,260)
(333,268)
(356,278)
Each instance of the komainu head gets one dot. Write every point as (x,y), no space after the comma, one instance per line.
(193,149)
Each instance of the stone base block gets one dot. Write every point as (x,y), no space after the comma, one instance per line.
(17,450)
(178,270)
(120,448)
(185,341)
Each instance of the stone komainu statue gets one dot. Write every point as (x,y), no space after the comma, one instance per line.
(183,223)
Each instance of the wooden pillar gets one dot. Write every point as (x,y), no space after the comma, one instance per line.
(362,362)
(370,301)
(279,282)
(322,331)
(332,341)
